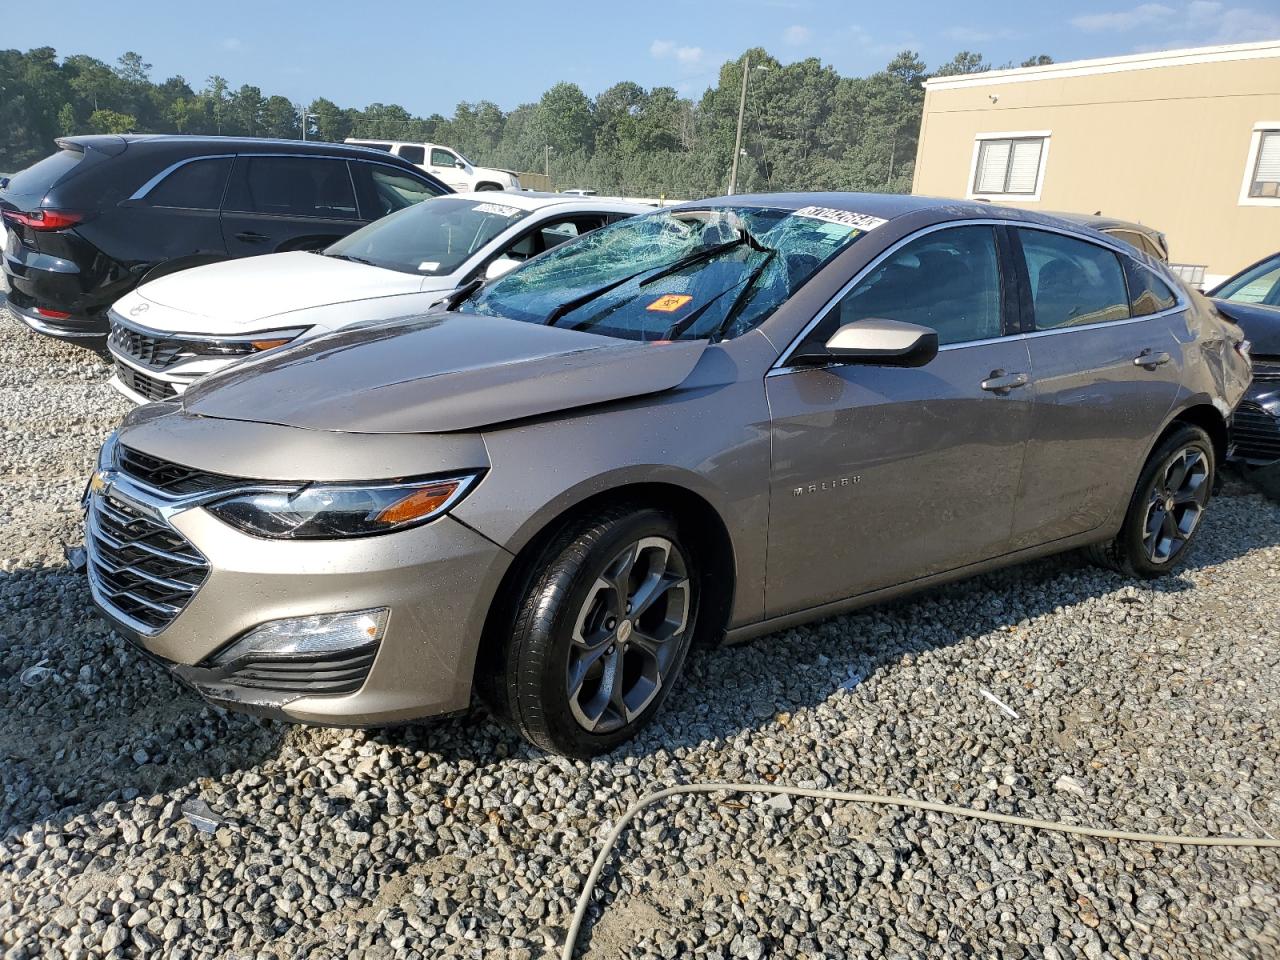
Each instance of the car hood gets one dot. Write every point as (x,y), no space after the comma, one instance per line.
(237,295)
(1261,324)
(439,373)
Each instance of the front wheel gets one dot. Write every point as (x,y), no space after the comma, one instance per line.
(600,634)
(1167,507)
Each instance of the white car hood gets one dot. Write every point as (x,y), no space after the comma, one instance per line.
(237,295)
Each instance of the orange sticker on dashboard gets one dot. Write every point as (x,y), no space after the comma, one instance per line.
(669,302)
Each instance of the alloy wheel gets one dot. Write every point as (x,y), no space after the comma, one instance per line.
(628,634)
(1176,503)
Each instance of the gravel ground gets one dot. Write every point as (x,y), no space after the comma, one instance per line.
(1151,707)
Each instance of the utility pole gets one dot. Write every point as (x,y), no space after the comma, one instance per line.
(547,164)
(737,142)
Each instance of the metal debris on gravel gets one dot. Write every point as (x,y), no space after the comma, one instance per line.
(1154,707)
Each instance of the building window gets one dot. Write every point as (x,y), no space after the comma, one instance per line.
(1009,165)
(1266,166)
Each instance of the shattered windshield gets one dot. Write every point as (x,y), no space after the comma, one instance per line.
(682,274)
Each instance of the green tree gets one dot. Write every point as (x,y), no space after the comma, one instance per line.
(108,121)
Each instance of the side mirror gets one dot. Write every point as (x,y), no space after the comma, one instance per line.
(877,342)
(500,268)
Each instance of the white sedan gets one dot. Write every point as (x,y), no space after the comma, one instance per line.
(173,330)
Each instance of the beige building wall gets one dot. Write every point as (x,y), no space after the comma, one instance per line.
(1165,139)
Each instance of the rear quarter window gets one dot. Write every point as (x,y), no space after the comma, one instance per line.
(1148,294)
(197,185)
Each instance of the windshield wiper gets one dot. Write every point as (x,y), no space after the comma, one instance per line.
(347,256)
(740,300)
(744,237)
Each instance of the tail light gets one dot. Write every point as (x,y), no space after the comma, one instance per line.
(44,219)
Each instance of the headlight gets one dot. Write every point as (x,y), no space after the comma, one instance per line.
(250,344)
(323,511)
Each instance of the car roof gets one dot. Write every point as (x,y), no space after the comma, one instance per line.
(533,200)
(889,206)
(112,143)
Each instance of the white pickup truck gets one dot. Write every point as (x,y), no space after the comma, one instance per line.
(447,164)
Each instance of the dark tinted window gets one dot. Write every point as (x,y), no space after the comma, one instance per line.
(196,185)
(948,280)
(1072,282)
(39,177)
(384,189)
(413,154)
(292,186)
(1148,294)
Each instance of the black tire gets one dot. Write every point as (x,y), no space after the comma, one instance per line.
(487,186)
(1135,551)
(539,660)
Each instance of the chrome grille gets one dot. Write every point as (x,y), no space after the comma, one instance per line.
(139,382)
(1266,368)
(1256,433)
(168,477)
(142,567)
(149,349)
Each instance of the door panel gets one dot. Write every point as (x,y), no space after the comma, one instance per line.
(287,203)
(1106,379)
(883,475)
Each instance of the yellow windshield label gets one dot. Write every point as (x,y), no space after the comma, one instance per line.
(669,302)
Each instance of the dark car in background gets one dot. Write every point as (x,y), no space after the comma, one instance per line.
(1252,299)
(86,225)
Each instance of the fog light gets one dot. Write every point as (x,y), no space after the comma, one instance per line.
(310,636)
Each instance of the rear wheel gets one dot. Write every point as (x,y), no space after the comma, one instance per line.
(1167,507)
(600,634)
(488,186)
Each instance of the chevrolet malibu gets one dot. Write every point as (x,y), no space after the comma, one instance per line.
(702,424)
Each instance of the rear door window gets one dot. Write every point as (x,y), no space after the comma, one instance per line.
(384,190)
(197,185)
(948,280)
(412,154)
(1148,294)
(292,187)
(1073,282)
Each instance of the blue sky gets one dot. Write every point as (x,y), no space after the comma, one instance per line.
(429,55)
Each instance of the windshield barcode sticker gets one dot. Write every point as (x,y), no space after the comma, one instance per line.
(501,209)
(847,218)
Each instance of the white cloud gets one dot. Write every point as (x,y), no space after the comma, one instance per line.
(1117,20)
(1194,23)
(797,36)
(670,50)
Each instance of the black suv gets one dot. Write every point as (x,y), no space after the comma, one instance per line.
(89,223)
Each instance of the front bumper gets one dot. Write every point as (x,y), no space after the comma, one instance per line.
(1255,425)
(437,580)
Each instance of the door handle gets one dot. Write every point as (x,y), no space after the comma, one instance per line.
(1149,360)
(251,236)
(1001,383)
